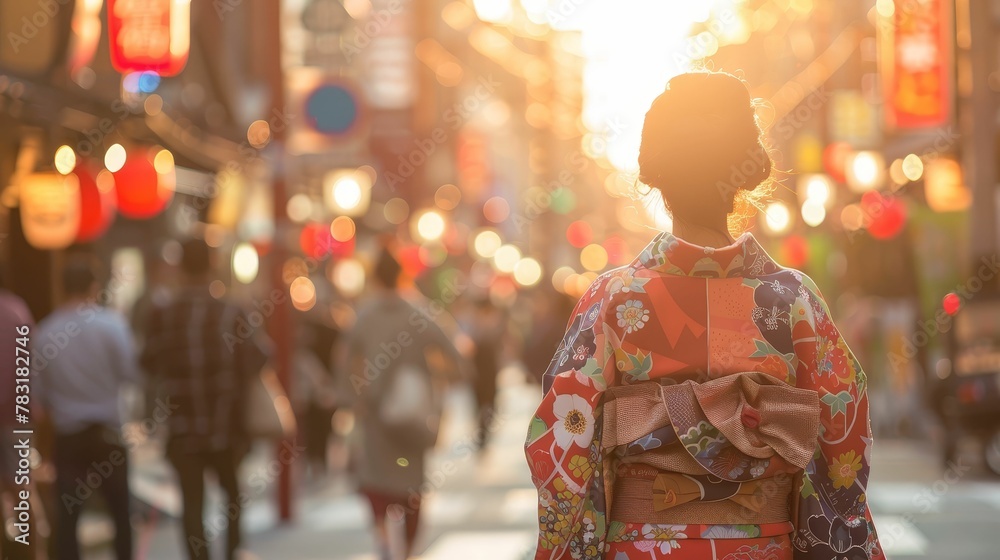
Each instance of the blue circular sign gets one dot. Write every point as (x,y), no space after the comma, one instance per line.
(332,109)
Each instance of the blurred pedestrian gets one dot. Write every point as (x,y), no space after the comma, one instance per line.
(488,330)
(86,357)
(14,317)
(314,398)
(203,352)
(396,400)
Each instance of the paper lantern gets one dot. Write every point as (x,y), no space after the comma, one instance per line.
(887,214)
(97,202)
(835,157)
(316,240)
(795,251)
(145,183)
(409,260)
(149,35)
(579,234)
(945,187)
(951,303)
(50,209)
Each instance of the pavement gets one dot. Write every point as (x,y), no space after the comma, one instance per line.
(483,507)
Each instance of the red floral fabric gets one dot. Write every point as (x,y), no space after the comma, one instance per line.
(680,312)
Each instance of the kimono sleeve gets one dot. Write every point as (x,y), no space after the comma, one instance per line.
(563,443)
(833,518)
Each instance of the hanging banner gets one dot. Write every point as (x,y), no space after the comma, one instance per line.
(915,64)
(149,35)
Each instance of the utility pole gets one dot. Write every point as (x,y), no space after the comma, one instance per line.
(280,325)
(982,136)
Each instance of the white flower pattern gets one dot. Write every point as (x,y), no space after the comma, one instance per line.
(574,421)
(632,316)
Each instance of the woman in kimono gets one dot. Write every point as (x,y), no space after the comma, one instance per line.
(702,404)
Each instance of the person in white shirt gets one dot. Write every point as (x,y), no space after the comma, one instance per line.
(84,355)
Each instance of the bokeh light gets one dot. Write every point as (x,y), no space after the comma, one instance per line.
(594,257)
(813,212)
(527,272)
(347,193)
(246,262)
(114,158)
(559,277)
(342,228)
(217,289)
(259,134)
(579,234)
(447,197)
(303,293)
(496,209)
(486,243)
(777,217)
(866,171)
(163,162)
(913,167)
(506,258)
(349,277)
(429,226)
(951,303)
(65,160)
(396,210)
(299,207)
(852,217)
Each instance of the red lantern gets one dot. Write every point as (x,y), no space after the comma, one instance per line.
(149,35)
(409,260)
(835,160)
(145,184)
(795,250)
(886,214)
(951,303)
(579,234)
(97,202)
(316,240)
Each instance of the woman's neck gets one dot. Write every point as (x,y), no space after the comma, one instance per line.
(716,235)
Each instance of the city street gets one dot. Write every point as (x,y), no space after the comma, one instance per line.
(485,507)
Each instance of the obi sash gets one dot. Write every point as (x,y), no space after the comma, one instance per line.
(727,451)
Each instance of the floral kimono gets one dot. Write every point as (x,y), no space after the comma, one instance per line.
(681,313)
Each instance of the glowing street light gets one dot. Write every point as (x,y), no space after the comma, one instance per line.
(114,158)
(486,243)
(913,167)
(430,226)
(865,171)
(246,263)
(594,257)
(65,160)
(777,217)
(817,187)
(506,258)
(347,191)
(527,272)
(813,212)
